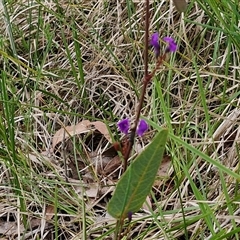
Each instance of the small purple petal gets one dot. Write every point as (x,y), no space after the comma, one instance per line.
(172,45)
(155,43)
(124,125)
(155,40)
(142,127)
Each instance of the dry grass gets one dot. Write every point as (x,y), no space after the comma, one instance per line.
(65,62)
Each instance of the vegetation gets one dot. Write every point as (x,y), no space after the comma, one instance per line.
(70,70)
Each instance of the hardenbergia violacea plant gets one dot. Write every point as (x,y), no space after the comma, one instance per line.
(137,180)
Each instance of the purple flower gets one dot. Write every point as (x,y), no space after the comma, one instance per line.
(172,45)
(124,125)
(142,127)
(155,43)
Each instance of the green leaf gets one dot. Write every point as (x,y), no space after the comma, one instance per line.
(136,183)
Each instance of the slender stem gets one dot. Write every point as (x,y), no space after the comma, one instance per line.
(119,227)
(147,78)
(145,82)
(146,40)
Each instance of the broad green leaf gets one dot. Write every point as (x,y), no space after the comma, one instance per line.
(136,183)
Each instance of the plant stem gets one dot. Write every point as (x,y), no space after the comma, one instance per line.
(145,82)
(147,78)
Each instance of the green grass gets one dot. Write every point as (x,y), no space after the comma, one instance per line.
(64,62)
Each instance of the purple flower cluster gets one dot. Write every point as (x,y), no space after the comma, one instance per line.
(172,45)
(124,126)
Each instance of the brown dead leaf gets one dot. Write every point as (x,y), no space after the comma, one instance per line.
(34,223)
(164,167)
(75,169)
(49,212)
(83,127)
(112,165)
(102,128)
(163,170)
(69,131)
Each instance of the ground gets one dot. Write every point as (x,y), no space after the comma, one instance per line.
(70,70)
